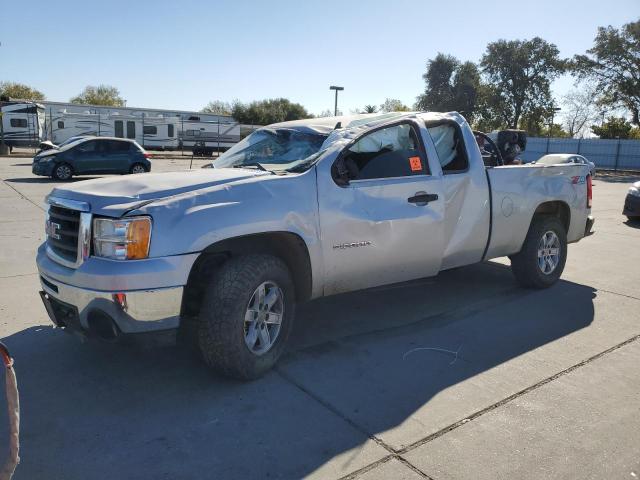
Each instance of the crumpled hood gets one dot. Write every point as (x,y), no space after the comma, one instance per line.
(113,196)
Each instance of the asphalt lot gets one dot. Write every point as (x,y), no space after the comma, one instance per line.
(462,376)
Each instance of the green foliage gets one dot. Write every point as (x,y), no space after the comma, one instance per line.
(20,91)
(393,105)
(450,86)
(100,95)
(614,127)
(217,107)
(614,64)
(265,112)
(369,109)
(519,74)
(634,134)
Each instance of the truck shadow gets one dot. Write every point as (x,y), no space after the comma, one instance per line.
(382,359)
(47,180)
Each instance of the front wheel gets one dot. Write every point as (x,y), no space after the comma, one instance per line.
(62,171)
(544,253)
(246,316)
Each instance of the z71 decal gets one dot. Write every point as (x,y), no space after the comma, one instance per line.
(578,180)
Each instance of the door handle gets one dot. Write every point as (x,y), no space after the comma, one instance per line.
(422,198)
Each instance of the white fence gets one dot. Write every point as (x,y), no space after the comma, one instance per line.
(606,154)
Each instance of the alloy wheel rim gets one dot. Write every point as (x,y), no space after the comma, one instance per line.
(63,172)
(263,318)
(548,252)
(138,169)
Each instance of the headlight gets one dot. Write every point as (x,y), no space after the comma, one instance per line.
(635,191)
(122,239)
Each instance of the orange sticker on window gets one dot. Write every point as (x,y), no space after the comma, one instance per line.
(415,164)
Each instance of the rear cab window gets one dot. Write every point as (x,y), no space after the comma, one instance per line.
(450,147)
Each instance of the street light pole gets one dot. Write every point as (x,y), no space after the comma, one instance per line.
(337,89)
(553,114)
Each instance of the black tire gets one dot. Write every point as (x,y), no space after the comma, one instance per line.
(62,171)
(525,265)
(221,334)
(135,166)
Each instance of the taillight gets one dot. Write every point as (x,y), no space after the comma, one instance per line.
(589,192)
(146,155)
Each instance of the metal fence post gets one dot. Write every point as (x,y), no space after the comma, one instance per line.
(615,168)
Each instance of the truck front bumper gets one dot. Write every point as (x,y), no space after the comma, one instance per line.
(123,310)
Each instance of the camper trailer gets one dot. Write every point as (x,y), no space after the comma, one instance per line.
(63,125)
(206,137)
(155,132)
(22,123)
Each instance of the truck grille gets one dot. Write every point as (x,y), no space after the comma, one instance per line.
(63,227)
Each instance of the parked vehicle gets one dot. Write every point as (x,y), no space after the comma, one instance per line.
(92,155)
(295,211)
(22,123)
(632,202)
(563,158)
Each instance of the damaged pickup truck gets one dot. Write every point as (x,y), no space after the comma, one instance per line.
(296,211)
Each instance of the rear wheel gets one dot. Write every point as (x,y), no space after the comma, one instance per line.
(62,171)
(137,168)
(246,316)
(544,253)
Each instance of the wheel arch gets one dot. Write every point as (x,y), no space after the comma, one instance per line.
(287,246)
(556,208)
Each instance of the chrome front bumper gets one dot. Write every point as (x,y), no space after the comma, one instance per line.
(137,311)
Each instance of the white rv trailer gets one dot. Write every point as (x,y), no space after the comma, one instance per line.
(22,123)
(207,137)
(155,132)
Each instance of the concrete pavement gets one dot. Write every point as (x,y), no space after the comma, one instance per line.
(462,376)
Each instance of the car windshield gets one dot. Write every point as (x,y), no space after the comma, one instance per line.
(274,149)
(71,140)
(553,159)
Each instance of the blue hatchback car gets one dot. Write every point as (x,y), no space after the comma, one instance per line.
(92,155)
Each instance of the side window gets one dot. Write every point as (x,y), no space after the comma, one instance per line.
(18,122)
(119,129)
(150,130)
(86,147)
(450,147)
(115,146)
(385,153)
(131,129)
(60,124)
(170,133)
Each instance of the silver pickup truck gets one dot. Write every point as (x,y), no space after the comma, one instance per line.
(295,211)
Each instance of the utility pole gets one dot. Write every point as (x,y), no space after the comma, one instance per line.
(337,89)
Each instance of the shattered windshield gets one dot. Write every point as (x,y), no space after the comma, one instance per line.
(276,150)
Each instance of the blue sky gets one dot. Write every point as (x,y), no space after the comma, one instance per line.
(181,54)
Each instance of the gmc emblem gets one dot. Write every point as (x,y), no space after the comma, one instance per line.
(51,229)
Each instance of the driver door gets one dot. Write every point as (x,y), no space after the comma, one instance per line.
(383,224)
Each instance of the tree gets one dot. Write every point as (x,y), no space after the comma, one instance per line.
(614,127)
(614,64)
(21,91)
(438,95)
(519,74)
(100,95)
(579,109)
(217,107)
(264,112)
(451,86)
(370,109)
(393,105)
